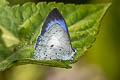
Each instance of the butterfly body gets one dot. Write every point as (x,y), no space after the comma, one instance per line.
(54,41)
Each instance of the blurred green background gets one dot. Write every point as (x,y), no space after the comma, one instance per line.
(101,62)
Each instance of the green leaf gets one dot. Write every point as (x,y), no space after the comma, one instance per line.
(8,30)
(82,20)
(3,2)
(8,38)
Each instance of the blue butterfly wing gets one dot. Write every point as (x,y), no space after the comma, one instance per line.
(54,17)
(54,33)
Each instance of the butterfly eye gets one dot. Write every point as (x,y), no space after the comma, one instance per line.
(74,49)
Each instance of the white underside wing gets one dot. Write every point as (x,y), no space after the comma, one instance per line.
(54,45)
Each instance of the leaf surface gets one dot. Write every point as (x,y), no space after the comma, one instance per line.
(26,21)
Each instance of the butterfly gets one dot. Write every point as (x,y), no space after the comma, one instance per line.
(53,42)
